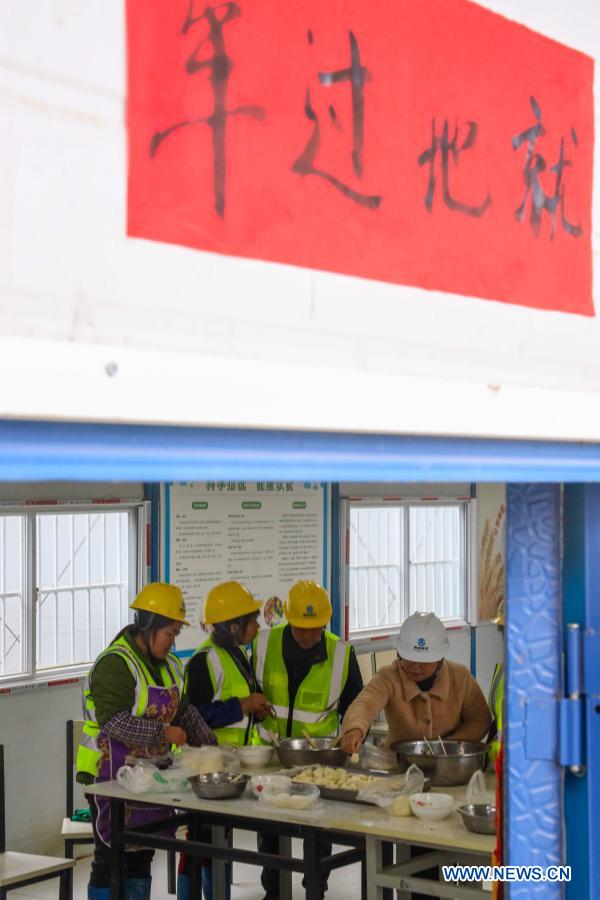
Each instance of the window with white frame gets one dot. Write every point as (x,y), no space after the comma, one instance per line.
(67,578)
(404,558)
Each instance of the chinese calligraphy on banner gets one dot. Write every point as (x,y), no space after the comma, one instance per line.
(421,142)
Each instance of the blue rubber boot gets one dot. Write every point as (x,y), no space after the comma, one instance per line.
(98,893)
(137,888)
(207,892)
(183,887)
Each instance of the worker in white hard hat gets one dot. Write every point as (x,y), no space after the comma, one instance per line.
(423,694)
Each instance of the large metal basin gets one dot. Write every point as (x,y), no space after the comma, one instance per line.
(463,759)
(298,752)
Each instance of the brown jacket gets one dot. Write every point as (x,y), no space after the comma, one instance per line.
(454,707)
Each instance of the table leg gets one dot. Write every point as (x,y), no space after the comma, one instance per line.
(285,877)
(387,859)
(117,850)
(193,867)
(65,891)
(403,854)
(312,863)
(219,839)
(374,854)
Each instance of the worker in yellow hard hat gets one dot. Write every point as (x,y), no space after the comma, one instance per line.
(308,675)
(220,682)
(496,695)
(219,678)
(134,705)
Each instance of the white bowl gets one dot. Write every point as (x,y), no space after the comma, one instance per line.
(431,807)
(259,783)
(255,755)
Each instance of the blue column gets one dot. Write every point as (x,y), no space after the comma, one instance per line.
(336,574)
(533,779)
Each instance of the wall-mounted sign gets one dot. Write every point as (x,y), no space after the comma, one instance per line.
(421,142)
(265,534)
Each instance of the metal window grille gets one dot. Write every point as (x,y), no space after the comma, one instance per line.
(13,647)
(66,581)
(402,559)
(82,585)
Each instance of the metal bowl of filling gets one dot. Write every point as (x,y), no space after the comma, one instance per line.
(219,785)
(298,752)
(479,817)
(449,769)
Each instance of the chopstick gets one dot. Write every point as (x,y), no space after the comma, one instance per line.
(442,743)
(429,747)
(336,741)
(272,737)
(310,740)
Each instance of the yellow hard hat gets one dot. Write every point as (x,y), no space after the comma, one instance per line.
(228,601)
(307,605)
(163,600)
(499,620)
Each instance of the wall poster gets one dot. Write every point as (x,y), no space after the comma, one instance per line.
(266,535)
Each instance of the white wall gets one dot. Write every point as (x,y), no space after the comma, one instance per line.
(32,729)
(490,650)
(410,489)
(70,490)
(278,345)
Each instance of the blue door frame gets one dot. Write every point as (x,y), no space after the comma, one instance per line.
(533,470)
(581,586)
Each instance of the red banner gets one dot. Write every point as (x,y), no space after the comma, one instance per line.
(422,142)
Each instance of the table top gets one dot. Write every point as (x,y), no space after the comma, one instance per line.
(354,818)
(16,867)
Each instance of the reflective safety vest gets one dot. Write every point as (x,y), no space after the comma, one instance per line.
(89,754)
(227,681)
(496,701)
(317,700)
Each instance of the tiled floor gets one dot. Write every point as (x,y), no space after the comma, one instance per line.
(344,884)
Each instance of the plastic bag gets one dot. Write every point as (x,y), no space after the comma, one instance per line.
(385,793)
(206,760)
(151,780)
(296,797)
(476,790)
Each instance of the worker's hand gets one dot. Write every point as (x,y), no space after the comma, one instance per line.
(175,735)
(352,740)
(257,704)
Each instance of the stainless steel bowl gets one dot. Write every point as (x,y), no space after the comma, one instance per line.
(298,752)
(219,785)
(479,817)
(462,760)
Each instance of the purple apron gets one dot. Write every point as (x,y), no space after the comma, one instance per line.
(163,703)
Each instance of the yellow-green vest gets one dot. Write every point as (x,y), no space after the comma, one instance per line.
(496,702)
(227,682)
(88,753)
(317,701)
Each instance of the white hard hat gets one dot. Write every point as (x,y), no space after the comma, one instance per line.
(422,638)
